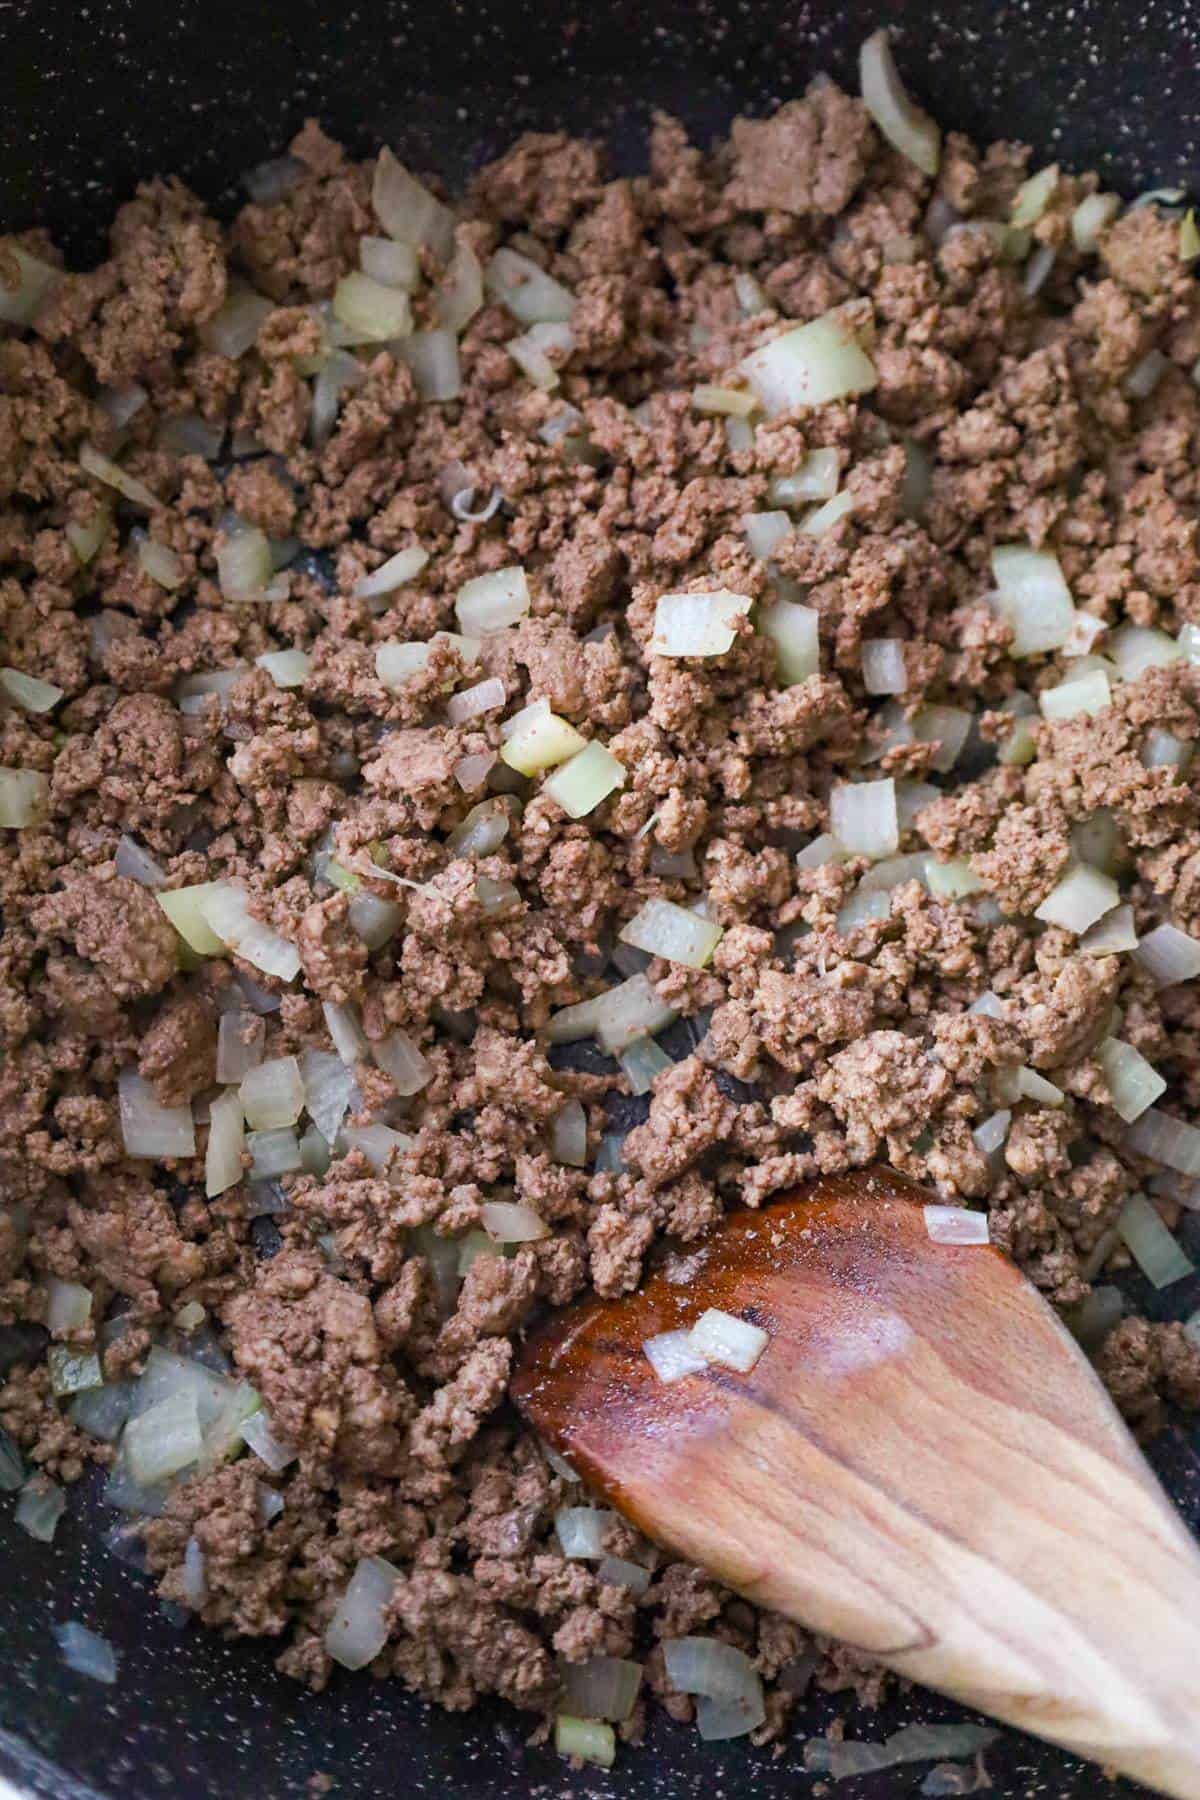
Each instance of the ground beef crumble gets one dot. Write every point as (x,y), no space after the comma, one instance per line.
(359,1294)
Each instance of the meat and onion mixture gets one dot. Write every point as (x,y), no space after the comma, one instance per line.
(531,721)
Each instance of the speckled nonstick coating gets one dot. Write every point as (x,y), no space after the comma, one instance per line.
(97,93)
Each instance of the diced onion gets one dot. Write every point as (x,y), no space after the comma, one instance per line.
(86,1653)
(672,1355)
(41,1503)
(698,1665)
(541,743)
(894,871)
(697,624)
(1079,899)
(1136,648)
(68,1305)
(407,210)
(1034,598)
(1092,216)
(863,819)
(395,573)
(823,849)
(1170,955)
(471,772)
(404,1062)
(809,365)
(287,668)
(396,664)
(107,471)
(459,294)
(272,1094)
(883,667)
(374,921)
(1088,693)
(641,1063)
(990,1135)
(604,1687)
(737,403)
(371,310)
(122,403)
(905,126)
(956,1225)
(358,1629)
(193,690)
(338,372)
(329,1089)
(616,1571)
(136,863)
(432,357)
(85,540)
(765,531)
(233,329)
(824,518)
(275,1152)
(1159,1255)
(580,1531)
(1111,934)
(721,1337)
(393,264)
(482,831)
(226,909)
(795,632)
(244,566)
(568,1137)
(1033,197)
(472,702)
(163,1440)
(719,1720)
(490,602)
(226,1141)
(1032,1086)
(946,726)
(379,1144)
(1163,750)
(345,1028)
(259,1435)
(952,880)
(815,479)
(531,353)
(28,692)
(526,290)
(148,1129)
(510,1223)
(1133,1082)
(663,929)
(1166,1140)
(20,305)
(184,907)
(589,1740)
(240,1037)
(862,907)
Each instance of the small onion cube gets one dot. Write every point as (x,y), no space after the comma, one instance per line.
(568,1136)
(735,403)
(809,365)
(765,532)
(526,290)
(35,279)
(795,632)
(510,1223)
(85,1652)
(391,263)
(909,130)
(823,849)
(1111,934)
(433,360)
(815,479)
(540,744)
(641,1063)
(721,1337)
(956,1225)
(1034,597)
(990,1135)
(226,909)
(72,1371)
(358,1629)
(473,702)
(404,1062)
(407,210)
(404,567)
(1033,196)
(661,928)
(163,1440)
(672,1355)
(226,1142)
(41,1503)
(273,1153)
(371,310)
(240,1038)
(378,1144)
(580,1531)
(1161,1138)
(863,818)
(700,1665)
(244,564)
(260,1437)
(628,1012)
(272,1094)
(824,518)
(135,862)
(1133,1082)
(883,667)
(1169,955)
(1136,648)
(697,624)
(148,1129)
(28,692)
(1032,1086)
(587,778)
(68,1305)
(490,602)
(1092,216)
(459,294)
(719,1720)
(588,1740)
(604,1687)
(396,664)
(345,1028)
(23,797)
(894,871)
(374,921)
(616,1571)
(107,471)
(1157,1253)
(287,668)
(1079,899)
(1088,693)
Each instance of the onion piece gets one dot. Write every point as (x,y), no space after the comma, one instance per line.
(371,310)
(953,880)
(1162,1139)
(160,563)
(541,743)
(948,727)
(358,1629)
(663,929)
(580,1531)
(795,632)
(719,1720)
(244,566)
(1158,1254)
(905,126)
(374,921)
(1111,934)
(604,1687)
(511,1223)
(163,1440)
(482,831)
(808,366)
(1163,750)
(41,1503)
(823,849)
(273,1153)
(587,779)
(697,624)
(490,602)
(135,862)
(1032,1086)
(531,353)
(400,1057)
(588,1740)
(894,871)
(526,290)
(345,1028)
(672,1355)
(626,1013)
(641,1063)
(388,262)
(396,664)
(1034,597)
(1136,648)
(1094,214)
(226,1142)
(226,908)
(379,1144)
(1079,899)
(107,471)
(725,402)
(473,702)
(85,540)
(459,294)
(863,819)
(1170,955)
(956,1225)
(148,1129)
(568,1136)
(184,907)
(1088,693)
(1033,197)
(765,531)
(616,1571)
(261,1438)
(68,1305)
(432,357)
(272,1093)
(329,1090)
(287,668)
(883,667)
(12,1465)
(407,210)
(72,1371)
(721,1337)
(28,692)
(815,479)
(990,1135)
(824,518)
(232,330)
(1133,1083)
(699,1665)
(35,279)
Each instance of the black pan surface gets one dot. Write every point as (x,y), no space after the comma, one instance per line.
(95,94)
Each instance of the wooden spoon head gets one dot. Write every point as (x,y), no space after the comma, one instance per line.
(922,1463)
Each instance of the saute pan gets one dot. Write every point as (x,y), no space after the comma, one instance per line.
(94,95)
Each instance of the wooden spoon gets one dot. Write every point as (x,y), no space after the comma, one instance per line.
(922,1463)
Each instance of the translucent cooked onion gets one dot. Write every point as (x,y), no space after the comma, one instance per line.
(540,351)
(244,565)
(580,1531)
(946,726)
(459,294)
(955,1225)
(85,540)
(893,872)
(184,907)
(1169,955)
(35,279)
(604,1687)
(883,667)
(540,743)
(568,1135)
(909,130)
(374,921)
(168,1374)
(473,702)
(616,1571)
(808,366)
(28,692)
(1136,648)
(226,1142)
(765,531)
(1088,693)
(697,624)
(107,471)
(1033,596)
(510,1223)
(407,210)
(192,691)
(148,1129)
(261,1438)
(490,602)
(329,1090)
(358,1629)
(1079,899)
(815,479)
(136,863)
(663,929)
(233,329)
(824,518)
(700,1665)
(226,909)
(471,772)
(402,1059)
(41,1502)
(395,573)
(588,1740)
(163,1440)
(1159,1255)
(379,1144)
(641,1063)
(672,1355)
(526,290)
(195,1586)
(1094,214)
(101,1411)
(862,817)
(1033,197)
(795,632)
(462,505)
(990,1135)
(370,310)
(432,357)
(186,434)
(338,373)
(1111,934)
(1032,1086)
(275,1152)
(345,1028)
(823,849)
(482,831)
(725,402)
(396,664)
(1163,750)
(721,1337)
(585,780)
(315,1153)
(1145,375)
(287,668)
(68,1305)
(272,1093)
(1133,1083)
(953,880)
(388,262)
(1166,1140)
